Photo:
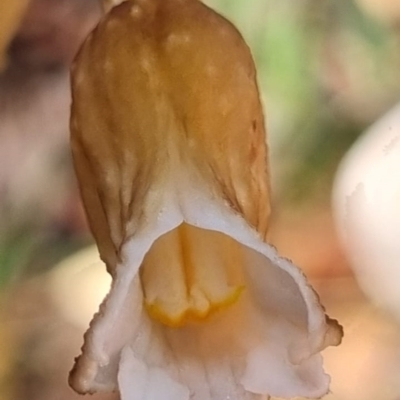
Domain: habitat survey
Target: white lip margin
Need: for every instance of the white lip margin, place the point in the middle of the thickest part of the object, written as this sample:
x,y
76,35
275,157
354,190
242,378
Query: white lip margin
x,y
203,210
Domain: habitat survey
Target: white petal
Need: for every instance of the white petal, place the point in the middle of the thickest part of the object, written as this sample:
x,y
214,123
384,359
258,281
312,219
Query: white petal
x,y
270,371
264,344
139,381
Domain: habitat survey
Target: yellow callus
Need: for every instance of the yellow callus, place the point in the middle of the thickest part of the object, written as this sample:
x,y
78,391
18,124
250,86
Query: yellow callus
x,y
189,274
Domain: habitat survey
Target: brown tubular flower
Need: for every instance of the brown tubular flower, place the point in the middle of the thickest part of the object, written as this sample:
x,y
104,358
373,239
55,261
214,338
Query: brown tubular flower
x,y
168,141
160,83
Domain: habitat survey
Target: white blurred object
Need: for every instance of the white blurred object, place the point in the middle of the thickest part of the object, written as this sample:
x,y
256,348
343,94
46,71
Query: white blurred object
x,y
78,285
366,202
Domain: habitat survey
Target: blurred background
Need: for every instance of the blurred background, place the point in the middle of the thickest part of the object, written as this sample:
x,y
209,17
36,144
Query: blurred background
x,y
328,70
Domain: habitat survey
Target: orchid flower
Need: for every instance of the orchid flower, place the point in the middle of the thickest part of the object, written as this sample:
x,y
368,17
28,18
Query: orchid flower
x,y
169,147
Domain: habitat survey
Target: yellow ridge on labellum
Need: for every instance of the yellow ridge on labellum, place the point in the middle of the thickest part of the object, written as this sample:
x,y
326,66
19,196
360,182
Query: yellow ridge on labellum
x,y
186,274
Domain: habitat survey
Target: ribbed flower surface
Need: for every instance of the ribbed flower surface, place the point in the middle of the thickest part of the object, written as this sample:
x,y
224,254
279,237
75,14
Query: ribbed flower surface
x,y
168,140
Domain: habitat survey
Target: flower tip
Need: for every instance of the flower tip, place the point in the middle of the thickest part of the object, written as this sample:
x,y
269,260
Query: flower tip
x,y
79,382
334,333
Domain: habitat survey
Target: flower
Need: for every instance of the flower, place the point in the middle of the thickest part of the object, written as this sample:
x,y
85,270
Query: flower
x,y
168,141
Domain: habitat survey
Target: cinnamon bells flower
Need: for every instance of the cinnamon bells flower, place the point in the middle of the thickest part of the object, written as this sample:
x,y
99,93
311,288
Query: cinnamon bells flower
x,y
169,148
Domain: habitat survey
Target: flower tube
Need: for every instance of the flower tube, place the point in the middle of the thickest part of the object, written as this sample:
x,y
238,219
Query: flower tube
x,y
168,141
